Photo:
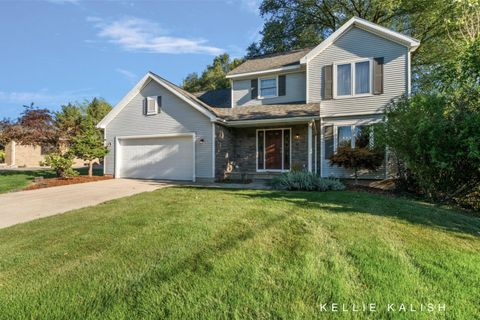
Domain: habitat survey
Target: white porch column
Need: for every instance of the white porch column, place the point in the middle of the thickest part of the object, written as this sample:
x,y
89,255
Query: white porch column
x,y
309,146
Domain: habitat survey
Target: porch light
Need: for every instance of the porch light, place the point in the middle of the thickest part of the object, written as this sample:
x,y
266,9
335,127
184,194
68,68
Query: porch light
x,y
201,141
297,136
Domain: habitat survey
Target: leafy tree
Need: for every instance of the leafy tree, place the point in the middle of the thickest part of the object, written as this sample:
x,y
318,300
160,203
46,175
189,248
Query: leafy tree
x,y
213,77
68,121
436,133
96,109
291,24
33,127
357,159
88,145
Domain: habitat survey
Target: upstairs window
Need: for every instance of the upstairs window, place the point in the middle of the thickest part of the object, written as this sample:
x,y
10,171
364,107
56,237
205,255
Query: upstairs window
x,y
268,87
353,78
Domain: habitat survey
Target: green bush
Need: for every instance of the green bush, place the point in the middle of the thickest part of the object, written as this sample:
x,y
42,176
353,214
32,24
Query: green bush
x,y
436,133
2,156
304,181
471,200
61,163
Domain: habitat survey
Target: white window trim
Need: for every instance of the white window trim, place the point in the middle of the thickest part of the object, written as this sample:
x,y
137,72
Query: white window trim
x,y
352,66
260,87
264,153
155,100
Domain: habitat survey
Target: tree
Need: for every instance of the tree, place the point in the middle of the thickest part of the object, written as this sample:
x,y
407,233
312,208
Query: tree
x,y
68,121
33,127
88,145
96,109
213,77
357,159
436,132
292,24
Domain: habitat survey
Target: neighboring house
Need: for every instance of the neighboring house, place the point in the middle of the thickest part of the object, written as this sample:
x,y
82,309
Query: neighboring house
x,y
284,111
25,156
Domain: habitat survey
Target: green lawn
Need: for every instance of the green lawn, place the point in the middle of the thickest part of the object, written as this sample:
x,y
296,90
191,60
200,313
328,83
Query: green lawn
x,y
188,253
17,180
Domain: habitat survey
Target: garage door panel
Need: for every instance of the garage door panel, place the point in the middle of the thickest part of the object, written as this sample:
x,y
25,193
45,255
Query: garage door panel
x,y
157,158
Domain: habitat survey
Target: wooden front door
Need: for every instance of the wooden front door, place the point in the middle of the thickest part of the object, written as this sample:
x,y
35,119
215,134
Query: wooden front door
x,y
273,150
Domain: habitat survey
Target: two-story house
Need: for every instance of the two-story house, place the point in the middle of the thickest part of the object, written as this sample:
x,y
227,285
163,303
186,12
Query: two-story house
x,y
284,111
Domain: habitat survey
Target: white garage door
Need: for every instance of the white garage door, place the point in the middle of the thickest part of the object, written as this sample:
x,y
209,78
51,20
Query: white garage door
x,y
156,158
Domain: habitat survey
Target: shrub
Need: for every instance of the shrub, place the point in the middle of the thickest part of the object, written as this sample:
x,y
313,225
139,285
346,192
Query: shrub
x,y
61,163
304,181
357,159
2,156
471,200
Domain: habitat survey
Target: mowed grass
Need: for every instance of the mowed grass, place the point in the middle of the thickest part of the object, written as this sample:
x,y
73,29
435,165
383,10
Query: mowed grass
x,y
191,253
17,180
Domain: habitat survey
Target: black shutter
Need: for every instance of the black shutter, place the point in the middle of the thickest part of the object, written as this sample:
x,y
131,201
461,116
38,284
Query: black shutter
x,y
378,75
144,106
254,90
282,85
328,82
328,138
159,104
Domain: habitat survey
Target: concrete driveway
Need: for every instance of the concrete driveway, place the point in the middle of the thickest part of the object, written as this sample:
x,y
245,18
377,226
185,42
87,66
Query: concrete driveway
x,y
22,206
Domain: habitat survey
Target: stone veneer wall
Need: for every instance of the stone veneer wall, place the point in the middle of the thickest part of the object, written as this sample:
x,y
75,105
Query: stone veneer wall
x,y
224,151
235,149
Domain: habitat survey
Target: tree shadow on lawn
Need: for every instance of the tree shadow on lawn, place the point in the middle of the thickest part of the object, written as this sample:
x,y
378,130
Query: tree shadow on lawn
x,y
345,202
199,261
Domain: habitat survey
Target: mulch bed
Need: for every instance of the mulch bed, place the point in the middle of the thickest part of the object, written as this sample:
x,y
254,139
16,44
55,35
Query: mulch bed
x,y
384,187
55,182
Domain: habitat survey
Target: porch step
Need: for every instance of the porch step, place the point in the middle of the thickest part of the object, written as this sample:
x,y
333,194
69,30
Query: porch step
x,y
255,176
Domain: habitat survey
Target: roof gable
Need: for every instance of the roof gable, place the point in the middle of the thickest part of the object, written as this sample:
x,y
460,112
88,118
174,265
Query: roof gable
x,y
386,33
179,92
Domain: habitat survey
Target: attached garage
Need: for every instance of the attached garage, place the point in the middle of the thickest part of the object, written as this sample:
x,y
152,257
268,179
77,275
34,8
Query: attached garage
x,y
168,156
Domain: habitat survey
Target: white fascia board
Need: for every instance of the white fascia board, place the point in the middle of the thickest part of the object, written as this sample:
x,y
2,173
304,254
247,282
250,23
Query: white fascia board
x,y
411,43
241,123
125,100
254,73
136,90
181,96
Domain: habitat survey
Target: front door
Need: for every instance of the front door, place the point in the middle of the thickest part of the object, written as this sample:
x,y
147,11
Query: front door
x,y
273,150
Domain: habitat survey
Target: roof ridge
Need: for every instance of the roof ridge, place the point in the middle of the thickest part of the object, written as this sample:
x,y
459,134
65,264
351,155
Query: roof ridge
x,y
274,54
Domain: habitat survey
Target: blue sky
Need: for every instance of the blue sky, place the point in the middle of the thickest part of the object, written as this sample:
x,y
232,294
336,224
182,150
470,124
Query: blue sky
x,y
56,51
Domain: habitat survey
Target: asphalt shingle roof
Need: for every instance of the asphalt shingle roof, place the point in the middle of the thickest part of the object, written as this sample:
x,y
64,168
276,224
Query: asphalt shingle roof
x,y
276,111
271,61
220,98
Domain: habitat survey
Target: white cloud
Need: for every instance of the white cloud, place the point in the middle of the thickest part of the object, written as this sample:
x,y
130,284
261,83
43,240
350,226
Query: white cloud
x,y
130,76
63,1
134,34
43,97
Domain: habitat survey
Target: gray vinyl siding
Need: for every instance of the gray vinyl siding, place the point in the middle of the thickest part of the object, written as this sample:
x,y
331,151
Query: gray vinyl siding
x,y
176,116
295,91
354,44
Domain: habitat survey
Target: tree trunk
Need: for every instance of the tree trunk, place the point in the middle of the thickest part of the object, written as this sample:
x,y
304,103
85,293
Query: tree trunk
x,y
356,177
90,168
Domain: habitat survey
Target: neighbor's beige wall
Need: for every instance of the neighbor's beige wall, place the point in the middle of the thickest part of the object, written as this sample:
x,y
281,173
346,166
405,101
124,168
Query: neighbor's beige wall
x,y
29,156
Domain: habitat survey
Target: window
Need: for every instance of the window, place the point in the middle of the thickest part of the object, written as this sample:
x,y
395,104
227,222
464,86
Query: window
x,y
151,105
344,80
353,78
268,87
363,136
362,77
344,136
354,136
